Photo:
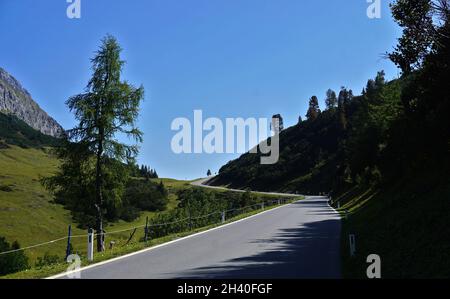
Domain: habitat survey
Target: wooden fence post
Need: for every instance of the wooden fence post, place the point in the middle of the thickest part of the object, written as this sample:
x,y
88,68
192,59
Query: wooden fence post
x,y
146,230
68,242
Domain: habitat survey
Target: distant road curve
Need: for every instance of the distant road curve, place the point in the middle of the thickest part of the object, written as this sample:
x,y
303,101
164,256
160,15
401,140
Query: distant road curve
x,y
201,183
298,240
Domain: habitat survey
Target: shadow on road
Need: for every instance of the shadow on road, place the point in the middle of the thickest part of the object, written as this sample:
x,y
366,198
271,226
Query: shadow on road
x,y
301,252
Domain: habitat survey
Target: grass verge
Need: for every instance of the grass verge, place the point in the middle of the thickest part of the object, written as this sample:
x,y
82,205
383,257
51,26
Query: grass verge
x,y
406,224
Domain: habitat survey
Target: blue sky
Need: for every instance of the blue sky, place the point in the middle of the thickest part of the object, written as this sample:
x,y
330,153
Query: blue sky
x,y
230,58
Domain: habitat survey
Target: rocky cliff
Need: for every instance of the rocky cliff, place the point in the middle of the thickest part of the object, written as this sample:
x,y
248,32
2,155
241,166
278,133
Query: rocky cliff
x,y
14,99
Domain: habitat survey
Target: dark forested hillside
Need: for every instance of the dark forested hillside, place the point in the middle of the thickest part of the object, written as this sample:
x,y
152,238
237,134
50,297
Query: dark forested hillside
x,y
330,150
392,130
14,131
307,161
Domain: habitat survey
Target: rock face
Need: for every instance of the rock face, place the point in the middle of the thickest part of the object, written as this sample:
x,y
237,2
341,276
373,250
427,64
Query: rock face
x,y
14,99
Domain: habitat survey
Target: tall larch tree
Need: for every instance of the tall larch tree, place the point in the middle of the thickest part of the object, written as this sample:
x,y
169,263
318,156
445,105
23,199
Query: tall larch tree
x,y
108,107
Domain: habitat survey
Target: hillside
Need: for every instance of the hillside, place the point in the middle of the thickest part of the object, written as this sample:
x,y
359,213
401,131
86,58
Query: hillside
x,y
307,161
27,212
16,100
14,131
406,224
313,153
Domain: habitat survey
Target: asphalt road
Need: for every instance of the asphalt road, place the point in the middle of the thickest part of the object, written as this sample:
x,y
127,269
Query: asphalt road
x,y
300,240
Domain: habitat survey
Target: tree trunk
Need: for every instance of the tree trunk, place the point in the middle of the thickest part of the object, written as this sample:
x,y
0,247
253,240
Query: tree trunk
x,y
99,195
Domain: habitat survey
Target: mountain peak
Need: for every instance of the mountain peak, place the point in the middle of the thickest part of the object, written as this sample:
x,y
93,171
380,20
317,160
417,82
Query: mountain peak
x,y
16,100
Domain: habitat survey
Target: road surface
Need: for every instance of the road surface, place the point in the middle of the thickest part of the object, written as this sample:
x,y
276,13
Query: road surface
x,y
300,240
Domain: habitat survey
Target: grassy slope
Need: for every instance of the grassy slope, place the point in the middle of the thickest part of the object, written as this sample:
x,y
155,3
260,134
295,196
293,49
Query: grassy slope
x,y
411,245
27,213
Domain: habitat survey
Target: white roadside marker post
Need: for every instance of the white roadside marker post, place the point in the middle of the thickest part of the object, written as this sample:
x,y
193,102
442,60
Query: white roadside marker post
x,y
90,249
352,240
223,217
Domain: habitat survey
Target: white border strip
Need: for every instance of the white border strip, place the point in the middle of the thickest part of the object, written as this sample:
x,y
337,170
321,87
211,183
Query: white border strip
x,y
165,244
334,210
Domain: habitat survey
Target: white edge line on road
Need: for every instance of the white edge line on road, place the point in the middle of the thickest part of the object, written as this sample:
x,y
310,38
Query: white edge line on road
x,y
334,210
165,244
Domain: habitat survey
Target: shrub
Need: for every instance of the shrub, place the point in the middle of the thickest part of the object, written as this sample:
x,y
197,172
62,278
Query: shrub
x,y
6,188
47,260
12,262
129,213
144,195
